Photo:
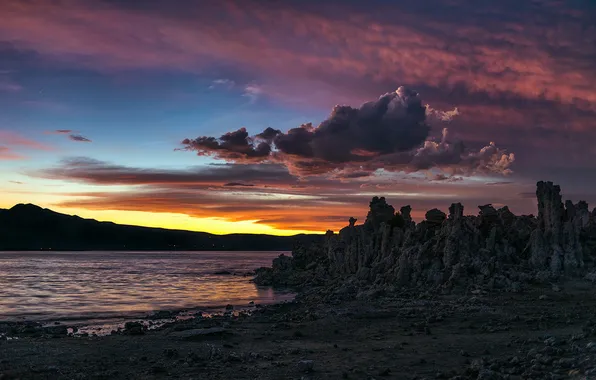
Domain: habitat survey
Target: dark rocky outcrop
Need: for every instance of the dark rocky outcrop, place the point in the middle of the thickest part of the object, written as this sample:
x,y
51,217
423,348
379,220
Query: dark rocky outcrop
x,y
495,249
307,266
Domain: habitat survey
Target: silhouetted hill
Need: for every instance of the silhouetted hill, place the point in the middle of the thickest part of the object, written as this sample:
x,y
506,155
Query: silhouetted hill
x,y
30,227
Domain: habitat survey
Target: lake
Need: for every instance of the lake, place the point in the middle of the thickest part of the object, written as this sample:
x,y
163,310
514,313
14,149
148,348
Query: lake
x,y
79,286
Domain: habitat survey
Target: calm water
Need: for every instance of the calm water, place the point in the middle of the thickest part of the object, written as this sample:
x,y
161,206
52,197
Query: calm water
x,y
53,286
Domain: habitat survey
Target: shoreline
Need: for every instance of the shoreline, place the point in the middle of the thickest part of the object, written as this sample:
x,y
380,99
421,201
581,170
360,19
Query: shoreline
x,y
102,324
540,333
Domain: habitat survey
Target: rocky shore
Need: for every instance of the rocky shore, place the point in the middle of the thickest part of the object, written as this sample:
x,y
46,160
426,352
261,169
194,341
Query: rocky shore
x,y
492,296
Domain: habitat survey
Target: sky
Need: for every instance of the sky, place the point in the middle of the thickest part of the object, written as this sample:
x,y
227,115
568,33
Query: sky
x,y
285,117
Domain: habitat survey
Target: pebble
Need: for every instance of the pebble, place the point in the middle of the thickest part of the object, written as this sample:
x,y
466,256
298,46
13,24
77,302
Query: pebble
x,y
306,365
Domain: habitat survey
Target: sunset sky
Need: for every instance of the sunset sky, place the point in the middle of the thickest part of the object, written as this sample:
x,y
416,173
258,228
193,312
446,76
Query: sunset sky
x,y
133,111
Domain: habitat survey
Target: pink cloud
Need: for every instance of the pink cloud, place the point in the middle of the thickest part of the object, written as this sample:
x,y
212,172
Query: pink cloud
x,y
9,155
503,55
14,139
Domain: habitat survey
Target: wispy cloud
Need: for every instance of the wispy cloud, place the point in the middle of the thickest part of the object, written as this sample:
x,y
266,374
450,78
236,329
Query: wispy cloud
x,y
11,138
253,91
78,138
7,154
225,83
265,193
9,86
72,135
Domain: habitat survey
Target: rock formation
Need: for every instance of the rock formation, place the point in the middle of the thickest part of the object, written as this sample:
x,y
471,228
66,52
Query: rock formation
x,y
495,249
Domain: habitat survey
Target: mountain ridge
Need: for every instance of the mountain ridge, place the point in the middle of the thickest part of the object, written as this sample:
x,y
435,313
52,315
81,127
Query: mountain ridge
x,y
28,227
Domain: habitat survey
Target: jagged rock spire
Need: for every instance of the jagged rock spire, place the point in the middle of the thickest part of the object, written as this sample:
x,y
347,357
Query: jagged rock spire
x,y
380,212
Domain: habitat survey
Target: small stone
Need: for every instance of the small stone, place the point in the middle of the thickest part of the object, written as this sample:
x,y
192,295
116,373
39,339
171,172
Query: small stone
x,y
543,297
134,328
556,288
487,374
550,341
306,365
170,353
157,369
385,372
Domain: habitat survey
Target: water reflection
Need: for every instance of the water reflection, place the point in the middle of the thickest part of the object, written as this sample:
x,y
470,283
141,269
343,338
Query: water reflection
x,y
72,285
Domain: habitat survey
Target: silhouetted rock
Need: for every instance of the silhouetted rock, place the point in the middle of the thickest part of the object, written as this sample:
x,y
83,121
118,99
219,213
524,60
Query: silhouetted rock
x,y
380,212
456,211
555,244
494,250
435,217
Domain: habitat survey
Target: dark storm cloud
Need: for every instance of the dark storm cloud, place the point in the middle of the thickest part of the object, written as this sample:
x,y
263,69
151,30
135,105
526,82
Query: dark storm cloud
x,y
389,133
393,123
268,134
232,146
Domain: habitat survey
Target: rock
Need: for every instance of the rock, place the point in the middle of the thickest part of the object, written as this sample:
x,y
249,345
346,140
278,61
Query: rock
x,y
56,331
456,211
556,241
435,217
496,250
487,374
134,328
170,353
543,297
163,314
306,366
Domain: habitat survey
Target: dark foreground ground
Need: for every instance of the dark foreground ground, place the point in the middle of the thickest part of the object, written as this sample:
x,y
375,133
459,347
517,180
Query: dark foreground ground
x,y
539,334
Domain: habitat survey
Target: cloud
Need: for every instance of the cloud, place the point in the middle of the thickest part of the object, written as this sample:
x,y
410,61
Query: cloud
x,y
453,157
225,83
389,133
265,193
253,92
78,138
232,146
9,86
90,171
234,184
71,135
14,139
495,61
8,155
492,48
441,115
